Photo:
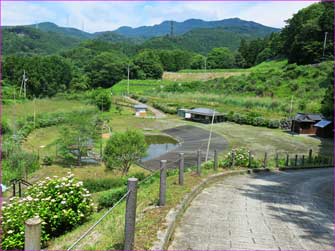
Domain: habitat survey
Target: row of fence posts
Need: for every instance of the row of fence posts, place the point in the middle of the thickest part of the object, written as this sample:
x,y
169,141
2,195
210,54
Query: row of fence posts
x,y
33,226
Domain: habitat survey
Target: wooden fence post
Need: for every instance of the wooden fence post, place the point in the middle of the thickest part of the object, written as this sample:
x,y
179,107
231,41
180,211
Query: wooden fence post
x,y
265,160
32,234
296,160
232,158
199,162
310,155
277,160
303,160
181,169
130,217
250,159
162,184
215,159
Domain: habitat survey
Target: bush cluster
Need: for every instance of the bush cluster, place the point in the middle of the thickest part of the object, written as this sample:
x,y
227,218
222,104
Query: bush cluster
x,y
241,158
251,119
61,203
110,197
165,108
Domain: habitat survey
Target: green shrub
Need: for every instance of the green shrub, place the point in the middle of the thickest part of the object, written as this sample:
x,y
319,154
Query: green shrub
x,y
61,203
274,124
110,197
47,160
97,185
208,165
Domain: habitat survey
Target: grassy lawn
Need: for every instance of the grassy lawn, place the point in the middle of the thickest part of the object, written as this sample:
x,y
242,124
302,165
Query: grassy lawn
x,y
27,108
261,139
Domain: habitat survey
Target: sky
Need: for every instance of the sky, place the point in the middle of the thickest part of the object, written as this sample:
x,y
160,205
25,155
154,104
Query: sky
x,y
103,16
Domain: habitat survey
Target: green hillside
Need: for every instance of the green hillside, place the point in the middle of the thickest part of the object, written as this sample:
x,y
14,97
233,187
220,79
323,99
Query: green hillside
x,y
28,40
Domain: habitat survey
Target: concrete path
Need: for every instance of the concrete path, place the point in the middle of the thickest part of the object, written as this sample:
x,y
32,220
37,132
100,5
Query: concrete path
x,y
290,210
192,138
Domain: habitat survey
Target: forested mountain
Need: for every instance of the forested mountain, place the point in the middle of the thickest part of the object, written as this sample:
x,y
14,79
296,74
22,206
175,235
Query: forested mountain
x,y
193,35
204,39
179,28
28,41
73,32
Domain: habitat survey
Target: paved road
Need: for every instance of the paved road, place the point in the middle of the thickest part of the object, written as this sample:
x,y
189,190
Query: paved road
x,y
290,210
192,138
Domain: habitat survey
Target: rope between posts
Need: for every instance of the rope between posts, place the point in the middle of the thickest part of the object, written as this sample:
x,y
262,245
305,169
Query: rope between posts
x,y
95,224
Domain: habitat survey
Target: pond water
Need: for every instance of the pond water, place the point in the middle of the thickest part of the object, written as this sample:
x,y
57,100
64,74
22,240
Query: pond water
x,y
159,145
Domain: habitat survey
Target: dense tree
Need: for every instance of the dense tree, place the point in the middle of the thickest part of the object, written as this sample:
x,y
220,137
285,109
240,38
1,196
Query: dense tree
x,y
106,69
46,75
197,61
175,60
148,65
220,58
304,34
327,104
124,149
103,101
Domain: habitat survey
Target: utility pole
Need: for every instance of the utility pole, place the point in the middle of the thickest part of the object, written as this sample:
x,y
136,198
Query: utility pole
x,y
34,111
210,136
128,70
23,87
324,46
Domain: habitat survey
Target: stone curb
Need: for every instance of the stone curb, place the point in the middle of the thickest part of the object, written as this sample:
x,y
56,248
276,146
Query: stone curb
x,y
176,213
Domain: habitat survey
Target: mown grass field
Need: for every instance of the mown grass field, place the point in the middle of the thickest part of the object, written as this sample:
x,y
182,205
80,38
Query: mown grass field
x,y
188,76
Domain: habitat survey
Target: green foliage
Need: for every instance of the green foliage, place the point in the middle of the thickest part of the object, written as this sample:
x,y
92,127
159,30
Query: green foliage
x,y
106,69
46,75
109,198
149,65
103,101
327,104
47,160
98,185
165,108
304,34
23,40
61,203
77,139
197,62
124,149
5,128
220,58
15,162
174,60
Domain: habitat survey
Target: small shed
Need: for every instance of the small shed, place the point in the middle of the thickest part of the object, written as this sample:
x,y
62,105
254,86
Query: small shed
x,y
204,115
324,129
304,123
141,110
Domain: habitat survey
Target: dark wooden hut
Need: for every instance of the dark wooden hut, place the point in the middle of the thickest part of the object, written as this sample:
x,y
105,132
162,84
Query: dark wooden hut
x,y
304,123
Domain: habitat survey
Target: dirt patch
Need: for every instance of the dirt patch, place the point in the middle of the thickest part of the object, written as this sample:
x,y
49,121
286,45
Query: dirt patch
x,y
178,76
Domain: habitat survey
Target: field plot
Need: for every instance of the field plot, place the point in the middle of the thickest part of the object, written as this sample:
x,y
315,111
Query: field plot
x,y
200,76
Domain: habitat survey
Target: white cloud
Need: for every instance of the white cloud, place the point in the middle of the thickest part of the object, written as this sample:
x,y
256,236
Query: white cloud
x,y
101,16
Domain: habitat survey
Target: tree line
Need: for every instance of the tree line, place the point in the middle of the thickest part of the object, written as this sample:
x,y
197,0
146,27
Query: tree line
x,y
98,63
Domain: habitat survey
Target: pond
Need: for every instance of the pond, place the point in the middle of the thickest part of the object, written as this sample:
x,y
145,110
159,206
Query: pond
x,y
159,145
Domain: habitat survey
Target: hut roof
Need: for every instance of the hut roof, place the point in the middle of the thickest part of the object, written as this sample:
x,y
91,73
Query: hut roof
x,y
302,117
204,111
323,123
140,106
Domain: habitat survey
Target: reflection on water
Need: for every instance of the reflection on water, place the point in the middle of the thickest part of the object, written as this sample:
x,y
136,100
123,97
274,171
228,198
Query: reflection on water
x,y
159,145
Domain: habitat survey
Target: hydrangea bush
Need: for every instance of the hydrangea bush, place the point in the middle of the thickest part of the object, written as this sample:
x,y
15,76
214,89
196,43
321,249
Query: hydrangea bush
x,y
61,203
241,158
